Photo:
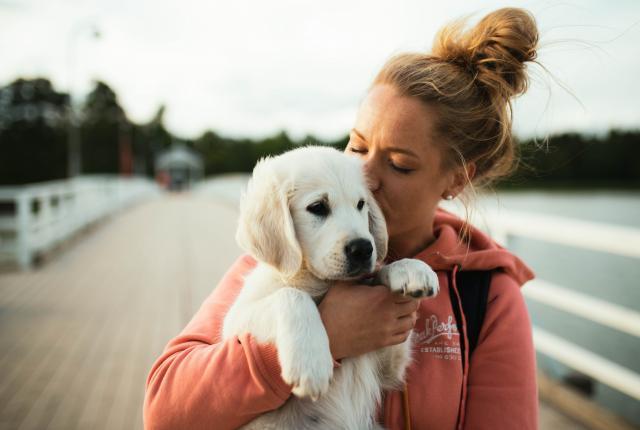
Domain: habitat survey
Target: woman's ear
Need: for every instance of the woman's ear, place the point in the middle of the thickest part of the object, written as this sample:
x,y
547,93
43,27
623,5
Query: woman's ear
x,y
265,228
377,228
461,177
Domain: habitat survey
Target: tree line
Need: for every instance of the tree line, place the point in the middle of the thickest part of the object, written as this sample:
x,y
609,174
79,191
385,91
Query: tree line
x,y
35,122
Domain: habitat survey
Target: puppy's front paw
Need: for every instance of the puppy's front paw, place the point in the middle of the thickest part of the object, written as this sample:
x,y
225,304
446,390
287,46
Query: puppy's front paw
x,y
308,373
309,379
314,384
410,277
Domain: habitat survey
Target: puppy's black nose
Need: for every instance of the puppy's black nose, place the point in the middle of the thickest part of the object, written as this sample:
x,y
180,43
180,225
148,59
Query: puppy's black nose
x,y
358,251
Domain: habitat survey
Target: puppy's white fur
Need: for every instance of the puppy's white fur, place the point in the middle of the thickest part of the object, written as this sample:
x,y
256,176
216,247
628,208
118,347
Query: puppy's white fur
x,y
299,255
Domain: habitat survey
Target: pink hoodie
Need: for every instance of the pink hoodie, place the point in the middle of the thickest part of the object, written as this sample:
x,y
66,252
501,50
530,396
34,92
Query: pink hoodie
x,y
201,382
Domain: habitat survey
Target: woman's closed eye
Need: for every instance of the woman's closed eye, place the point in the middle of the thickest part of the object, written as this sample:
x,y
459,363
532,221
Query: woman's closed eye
x,y
399,169
395,167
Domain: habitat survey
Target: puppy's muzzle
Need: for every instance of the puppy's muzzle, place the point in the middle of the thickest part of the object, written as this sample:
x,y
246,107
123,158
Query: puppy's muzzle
x,y
358,253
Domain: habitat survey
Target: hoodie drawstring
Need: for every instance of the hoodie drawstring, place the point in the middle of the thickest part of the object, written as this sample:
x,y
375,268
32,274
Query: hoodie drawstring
x,y
405,404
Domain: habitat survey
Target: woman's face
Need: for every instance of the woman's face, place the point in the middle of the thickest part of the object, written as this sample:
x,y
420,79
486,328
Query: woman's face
x,y
394,135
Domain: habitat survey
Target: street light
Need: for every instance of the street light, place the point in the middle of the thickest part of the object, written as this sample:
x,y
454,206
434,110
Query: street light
x,y
74,154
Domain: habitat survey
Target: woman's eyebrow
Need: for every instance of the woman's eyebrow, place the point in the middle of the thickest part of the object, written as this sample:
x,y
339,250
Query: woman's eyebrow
x,y
390,148
357,133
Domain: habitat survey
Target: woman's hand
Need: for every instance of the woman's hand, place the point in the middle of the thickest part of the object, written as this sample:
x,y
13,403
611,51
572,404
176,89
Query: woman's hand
x,y
359,318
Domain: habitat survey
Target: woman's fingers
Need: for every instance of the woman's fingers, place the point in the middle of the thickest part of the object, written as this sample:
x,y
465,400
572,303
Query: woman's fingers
x,y
399,298
404,324
360,318
404,309
399,338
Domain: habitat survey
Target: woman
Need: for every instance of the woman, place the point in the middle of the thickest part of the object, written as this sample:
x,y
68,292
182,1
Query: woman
x,y
430,127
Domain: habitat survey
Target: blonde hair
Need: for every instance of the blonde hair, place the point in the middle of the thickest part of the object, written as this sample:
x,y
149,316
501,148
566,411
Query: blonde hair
x,y
470,78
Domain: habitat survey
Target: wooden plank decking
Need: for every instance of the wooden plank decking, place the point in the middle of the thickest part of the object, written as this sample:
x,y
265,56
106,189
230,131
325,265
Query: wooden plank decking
x,y
80,334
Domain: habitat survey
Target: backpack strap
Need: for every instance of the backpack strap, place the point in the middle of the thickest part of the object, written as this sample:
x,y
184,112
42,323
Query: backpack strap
x,y
473,288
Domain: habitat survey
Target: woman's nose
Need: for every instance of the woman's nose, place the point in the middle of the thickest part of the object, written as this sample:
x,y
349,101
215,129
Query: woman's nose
x,y
373,179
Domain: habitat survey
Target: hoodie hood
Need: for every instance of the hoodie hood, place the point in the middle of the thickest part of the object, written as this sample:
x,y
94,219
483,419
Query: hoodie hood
x,y
481,253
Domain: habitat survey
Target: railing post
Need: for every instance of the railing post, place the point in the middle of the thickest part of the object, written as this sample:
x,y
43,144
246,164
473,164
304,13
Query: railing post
x,y
46,218
23,201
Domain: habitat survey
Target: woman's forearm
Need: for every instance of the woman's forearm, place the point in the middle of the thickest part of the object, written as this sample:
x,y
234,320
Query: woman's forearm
x,y
197,385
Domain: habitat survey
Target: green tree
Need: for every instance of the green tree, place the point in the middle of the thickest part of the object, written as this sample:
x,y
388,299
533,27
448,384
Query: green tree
x,y
103,123
33,132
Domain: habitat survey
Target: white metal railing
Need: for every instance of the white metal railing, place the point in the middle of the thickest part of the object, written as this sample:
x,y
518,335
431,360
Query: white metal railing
x,y
595,236
587,362
623,241
604,313
47,213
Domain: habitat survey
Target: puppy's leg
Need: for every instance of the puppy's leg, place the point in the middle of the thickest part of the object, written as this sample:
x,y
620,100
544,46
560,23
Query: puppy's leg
x,y
290,319
303,344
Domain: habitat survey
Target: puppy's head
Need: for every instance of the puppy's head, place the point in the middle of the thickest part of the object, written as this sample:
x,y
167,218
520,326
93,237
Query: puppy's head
x,y
310,209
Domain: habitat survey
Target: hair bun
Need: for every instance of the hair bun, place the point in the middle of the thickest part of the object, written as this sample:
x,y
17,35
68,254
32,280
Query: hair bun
x,y
495,49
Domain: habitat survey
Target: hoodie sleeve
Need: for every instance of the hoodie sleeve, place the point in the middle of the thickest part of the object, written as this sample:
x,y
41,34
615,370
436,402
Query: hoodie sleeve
x,y
502,391
201,381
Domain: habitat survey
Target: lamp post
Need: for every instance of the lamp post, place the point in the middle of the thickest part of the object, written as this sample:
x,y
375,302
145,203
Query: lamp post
x,y
74,149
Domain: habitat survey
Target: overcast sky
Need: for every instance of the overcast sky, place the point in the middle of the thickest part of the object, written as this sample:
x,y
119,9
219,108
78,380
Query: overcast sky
x,y
251,68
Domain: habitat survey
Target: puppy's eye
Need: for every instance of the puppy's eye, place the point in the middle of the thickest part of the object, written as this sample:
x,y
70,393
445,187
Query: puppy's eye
x,y
360,204
319,209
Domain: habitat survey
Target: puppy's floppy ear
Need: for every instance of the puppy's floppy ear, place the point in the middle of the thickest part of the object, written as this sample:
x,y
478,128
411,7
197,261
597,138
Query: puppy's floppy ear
x,y
377,228
265,227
